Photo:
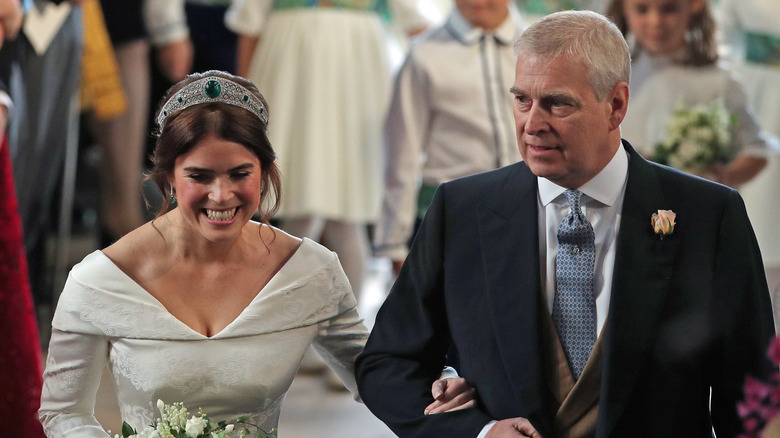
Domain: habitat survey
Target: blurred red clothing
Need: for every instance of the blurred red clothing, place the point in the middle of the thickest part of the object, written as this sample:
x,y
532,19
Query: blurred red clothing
x,y
20,349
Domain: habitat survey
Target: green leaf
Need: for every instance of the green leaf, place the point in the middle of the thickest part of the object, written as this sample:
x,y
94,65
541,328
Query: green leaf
x,y
242,419
127,430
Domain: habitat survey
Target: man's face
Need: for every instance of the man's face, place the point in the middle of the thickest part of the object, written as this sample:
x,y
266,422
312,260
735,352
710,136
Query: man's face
x,y
485,14
564,133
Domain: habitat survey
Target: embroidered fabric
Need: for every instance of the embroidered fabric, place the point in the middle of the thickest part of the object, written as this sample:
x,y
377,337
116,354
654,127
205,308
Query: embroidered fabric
x,y
105,318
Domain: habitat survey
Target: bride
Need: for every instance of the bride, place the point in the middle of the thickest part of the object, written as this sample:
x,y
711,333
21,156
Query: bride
x,y
203,305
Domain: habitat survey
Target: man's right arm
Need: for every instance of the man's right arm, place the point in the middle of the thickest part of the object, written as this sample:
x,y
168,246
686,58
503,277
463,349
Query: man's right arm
x,y
409,342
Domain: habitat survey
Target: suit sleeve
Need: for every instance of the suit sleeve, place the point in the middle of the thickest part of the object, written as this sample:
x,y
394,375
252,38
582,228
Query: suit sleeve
x,y
744,307
407,348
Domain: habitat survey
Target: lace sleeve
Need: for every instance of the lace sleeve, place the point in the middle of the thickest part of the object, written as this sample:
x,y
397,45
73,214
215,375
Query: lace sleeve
x,y
73,369
342,337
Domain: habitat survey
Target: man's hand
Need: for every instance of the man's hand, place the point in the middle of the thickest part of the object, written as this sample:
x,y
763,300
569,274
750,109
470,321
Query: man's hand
x,y
11,16
513,428
451,395
175,59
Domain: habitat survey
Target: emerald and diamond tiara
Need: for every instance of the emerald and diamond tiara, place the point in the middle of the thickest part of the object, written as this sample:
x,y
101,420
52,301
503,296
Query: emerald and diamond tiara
x,y
213,89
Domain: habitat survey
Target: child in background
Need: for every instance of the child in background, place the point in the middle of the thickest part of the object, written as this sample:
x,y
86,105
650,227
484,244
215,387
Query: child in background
x,y
674,62
450,115
751,42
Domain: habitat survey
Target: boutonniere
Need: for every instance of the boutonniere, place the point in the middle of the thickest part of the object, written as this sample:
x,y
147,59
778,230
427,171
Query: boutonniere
x,y
663,222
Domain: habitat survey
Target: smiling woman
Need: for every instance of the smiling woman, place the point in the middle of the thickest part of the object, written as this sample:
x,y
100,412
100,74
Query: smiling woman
x,y
217,186
202,305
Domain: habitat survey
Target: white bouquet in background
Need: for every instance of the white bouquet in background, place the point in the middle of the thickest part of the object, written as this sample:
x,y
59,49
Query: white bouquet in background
x,y
697,136
173,423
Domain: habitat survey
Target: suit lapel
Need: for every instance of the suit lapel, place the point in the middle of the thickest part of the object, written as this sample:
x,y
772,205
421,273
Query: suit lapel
x,y
510,255
640,284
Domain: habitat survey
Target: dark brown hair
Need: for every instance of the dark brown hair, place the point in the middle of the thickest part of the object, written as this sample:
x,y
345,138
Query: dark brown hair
x,y
184,129
700,47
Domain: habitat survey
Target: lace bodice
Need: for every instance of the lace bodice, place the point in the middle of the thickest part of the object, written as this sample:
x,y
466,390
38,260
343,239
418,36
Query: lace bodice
x,y
104,318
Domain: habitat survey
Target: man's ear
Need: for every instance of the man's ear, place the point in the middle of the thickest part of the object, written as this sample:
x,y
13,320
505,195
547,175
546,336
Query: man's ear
x,y
618,101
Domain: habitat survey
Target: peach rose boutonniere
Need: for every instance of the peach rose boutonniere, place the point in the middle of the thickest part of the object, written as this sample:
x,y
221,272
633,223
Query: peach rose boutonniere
x,y
663,222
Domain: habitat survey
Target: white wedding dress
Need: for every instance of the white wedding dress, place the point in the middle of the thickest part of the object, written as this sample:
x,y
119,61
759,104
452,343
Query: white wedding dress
x,y
105,318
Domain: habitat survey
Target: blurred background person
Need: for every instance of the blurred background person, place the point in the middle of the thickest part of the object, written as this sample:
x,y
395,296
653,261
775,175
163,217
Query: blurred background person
x,y
674,62
450,115
190,35
749,32
122,139
43,132
325,67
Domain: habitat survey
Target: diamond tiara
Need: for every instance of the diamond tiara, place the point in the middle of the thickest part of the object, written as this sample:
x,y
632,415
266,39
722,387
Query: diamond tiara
x,y
213,89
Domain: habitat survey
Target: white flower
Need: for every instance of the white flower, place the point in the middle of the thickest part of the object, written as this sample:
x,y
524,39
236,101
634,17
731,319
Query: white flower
x,y
195,426
696,136
229,428
148,433
688,150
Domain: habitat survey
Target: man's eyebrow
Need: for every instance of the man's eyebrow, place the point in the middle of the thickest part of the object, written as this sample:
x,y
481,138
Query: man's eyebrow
x,y
554,95
558,95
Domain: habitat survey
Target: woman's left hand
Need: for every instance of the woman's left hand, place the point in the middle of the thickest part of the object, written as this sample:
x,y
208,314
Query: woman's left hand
x,y
451,394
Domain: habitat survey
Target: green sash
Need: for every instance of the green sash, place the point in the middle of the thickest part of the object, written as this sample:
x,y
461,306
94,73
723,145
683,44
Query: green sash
x,y
762,48
360,5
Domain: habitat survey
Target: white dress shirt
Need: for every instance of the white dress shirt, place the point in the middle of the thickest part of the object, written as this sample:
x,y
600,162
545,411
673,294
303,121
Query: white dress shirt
x,y
602,202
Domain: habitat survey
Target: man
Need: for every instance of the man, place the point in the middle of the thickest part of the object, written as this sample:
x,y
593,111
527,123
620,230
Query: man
x,y
676,318
43,128
449,116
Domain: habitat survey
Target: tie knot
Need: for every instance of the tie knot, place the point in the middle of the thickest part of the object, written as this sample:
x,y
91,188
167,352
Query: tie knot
x,y
573,196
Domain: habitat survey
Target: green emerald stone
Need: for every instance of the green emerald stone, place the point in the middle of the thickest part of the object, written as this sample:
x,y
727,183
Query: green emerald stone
x,y
180,99
246,98
212,89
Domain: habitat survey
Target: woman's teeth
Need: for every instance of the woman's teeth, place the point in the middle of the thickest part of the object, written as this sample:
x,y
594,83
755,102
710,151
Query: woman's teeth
x,y
221,215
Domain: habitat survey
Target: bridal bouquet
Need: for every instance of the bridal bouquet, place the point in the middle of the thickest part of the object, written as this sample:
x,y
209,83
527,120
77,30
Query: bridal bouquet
x,y
760,412
697,136
174,423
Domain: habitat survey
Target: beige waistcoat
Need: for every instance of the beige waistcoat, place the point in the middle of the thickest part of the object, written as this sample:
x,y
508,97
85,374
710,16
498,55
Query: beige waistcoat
x,y
578,403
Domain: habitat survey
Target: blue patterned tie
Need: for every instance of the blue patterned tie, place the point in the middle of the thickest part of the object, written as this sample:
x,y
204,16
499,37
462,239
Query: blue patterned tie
x,y
574,305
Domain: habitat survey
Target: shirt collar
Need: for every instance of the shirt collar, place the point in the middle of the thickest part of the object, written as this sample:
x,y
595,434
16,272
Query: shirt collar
x,y
605,187
466,33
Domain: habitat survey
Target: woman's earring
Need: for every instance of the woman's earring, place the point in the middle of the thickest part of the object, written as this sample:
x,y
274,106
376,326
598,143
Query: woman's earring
x,y
172,198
